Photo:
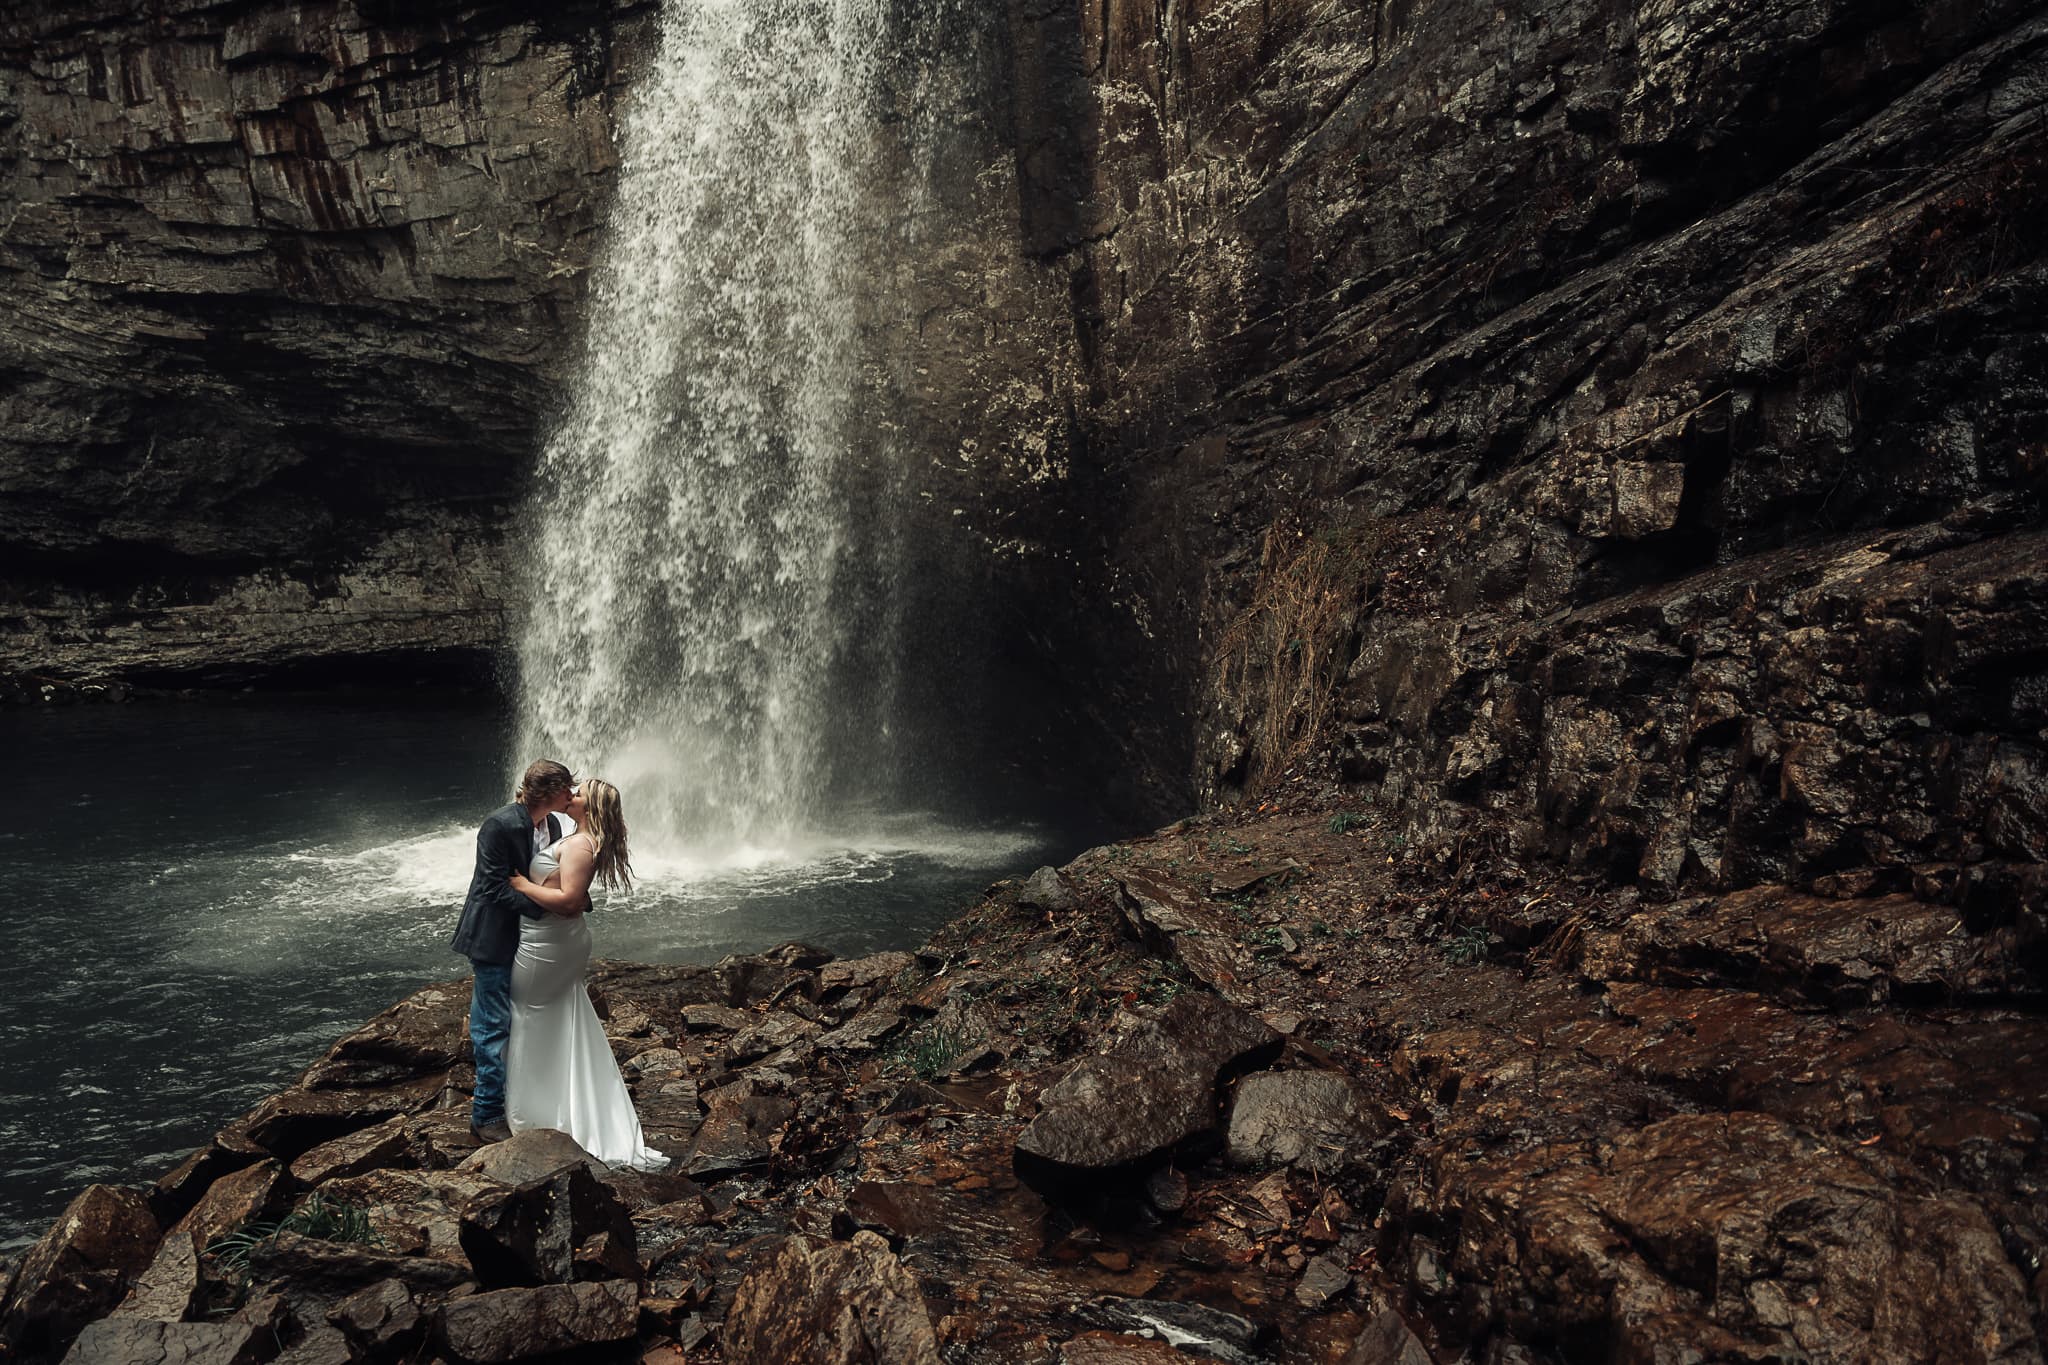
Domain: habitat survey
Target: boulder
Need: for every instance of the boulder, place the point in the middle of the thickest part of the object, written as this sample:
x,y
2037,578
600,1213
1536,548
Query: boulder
x,y
639,1190
654,1060
335,1270
1182,923
715,1019
170,1287
383,1319
186,1183
670,1110
757,979
739,1132
1311,1119
290,1124
1323,1279
1153,1090
771,1034
322,1344
865,1032
77,1271
533,1233
144,1341
861,973
1047,890
534,1154
388,1143
416,1213
815,1302
521,1324
231,1202
1166,1190
1386,1340
441,1137
422,1035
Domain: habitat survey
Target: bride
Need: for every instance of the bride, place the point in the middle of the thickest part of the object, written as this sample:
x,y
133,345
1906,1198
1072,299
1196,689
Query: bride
x,y
559,1069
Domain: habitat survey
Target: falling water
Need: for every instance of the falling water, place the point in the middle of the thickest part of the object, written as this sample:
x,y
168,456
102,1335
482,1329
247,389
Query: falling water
x,y
707,538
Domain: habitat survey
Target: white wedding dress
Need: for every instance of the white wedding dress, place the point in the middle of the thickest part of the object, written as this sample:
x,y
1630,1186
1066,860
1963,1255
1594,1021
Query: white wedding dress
x,y
559,1069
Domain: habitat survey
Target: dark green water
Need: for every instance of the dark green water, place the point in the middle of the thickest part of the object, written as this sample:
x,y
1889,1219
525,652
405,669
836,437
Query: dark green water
x,y
202,897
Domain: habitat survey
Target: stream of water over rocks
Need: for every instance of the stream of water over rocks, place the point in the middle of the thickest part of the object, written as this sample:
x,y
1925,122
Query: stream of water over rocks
x,y
204,896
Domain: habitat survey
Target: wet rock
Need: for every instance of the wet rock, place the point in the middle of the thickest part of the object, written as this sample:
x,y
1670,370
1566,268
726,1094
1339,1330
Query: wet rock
x,y
79,1270
184,1184
715,1019
654,1061
1323,1279
797,956
383,1320
671,1108
1166,1190
290,1124
1386,1340
169,1288
386,1144
1191,1327
534,1233
761,979
1151,1091
424,1034
1237,883
771,1034
415,1213
1186,925
521,1324
322,1344
534,1154
1687,1225
1118,1348
233,1201
441,1137
639,1190
630,1021
861,973
865,1032
335,1270
740,1132
1839,952
1316,1120
1046,890
141,1341
830,1303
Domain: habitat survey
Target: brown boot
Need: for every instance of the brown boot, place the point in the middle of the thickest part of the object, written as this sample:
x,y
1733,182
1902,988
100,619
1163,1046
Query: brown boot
x,y
494,1131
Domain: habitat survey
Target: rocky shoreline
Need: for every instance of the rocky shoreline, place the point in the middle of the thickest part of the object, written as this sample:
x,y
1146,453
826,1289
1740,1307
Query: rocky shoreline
x,y
1266,1086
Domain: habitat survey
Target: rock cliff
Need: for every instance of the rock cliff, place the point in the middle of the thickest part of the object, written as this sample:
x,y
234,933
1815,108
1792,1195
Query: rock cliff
x,y
1611,430
286,290
1614,429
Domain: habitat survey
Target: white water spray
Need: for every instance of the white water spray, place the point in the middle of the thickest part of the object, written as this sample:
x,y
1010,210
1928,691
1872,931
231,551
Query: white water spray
x,y
700,580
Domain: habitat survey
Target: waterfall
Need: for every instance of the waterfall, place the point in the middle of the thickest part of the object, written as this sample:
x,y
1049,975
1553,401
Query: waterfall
x,y
708,546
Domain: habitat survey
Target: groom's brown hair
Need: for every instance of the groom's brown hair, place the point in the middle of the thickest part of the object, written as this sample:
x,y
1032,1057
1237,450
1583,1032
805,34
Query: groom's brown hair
x,y
544,778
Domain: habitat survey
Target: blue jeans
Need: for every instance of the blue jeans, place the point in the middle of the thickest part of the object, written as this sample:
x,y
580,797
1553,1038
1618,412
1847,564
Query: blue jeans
x,y
490,1027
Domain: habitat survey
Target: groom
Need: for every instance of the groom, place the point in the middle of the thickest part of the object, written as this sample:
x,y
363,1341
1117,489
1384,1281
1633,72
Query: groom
x,y
488,934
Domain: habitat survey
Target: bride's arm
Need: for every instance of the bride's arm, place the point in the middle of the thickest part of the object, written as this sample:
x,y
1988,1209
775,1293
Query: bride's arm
x,y
572,897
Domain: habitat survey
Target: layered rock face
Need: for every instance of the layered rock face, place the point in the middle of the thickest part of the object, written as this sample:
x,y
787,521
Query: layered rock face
x,y
1615,429
286,288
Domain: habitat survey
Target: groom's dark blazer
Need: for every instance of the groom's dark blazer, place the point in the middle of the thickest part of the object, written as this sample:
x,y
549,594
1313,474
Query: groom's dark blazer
x,y
489,929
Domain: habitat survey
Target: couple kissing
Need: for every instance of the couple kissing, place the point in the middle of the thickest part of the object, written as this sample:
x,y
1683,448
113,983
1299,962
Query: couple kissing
x,y
542,1059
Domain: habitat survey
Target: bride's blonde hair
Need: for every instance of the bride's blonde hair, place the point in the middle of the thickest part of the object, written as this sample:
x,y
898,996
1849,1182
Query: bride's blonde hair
x,y
604,820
